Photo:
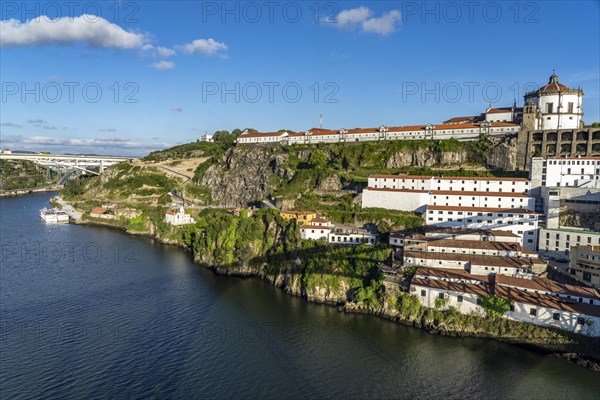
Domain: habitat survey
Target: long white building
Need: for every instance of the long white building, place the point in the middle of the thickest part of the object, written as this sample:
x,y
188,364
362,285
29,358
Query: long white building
x,y
463,131
522,222
450,183
536,301
415,193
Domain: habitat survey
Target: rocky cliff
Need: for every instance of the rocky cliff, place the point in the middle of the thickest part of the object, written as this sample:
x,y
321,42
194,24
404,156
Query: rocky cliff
x,y
244,175
249,173
503,154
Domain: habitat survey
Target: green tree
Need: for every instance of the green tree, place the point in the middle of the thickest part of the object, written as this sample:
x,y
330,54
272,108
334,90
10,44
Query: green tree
x,y
318,160
495,306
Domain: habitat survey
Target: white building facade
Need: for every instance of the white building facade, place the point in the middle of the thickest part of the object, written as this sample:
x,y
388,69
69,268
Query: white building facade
x,y
521,222
178,217
536,301
585,264
557,243
556,105
318,228
464,131
576,172
352,236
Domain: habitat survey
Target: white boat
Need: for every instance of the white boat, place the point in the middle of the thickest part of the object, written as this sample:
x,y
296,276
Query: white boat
x,y
54,216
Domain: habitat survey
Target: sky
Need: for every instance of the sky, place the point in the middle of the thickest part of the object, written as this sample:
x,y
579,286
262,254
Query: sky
x,y
130,77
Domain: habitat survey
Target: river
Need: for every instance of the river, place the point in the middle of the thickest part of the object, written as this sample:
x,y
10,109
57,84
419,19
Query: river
x,y
90,312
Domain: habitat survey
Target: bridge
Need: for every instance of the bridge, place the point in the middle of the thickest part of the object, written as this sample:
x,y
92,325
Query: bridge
x,y
66,165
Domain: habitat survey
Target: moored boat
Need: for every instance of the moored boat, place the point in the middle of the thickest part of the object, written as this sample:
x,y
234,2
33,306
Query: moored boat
x,y
54,216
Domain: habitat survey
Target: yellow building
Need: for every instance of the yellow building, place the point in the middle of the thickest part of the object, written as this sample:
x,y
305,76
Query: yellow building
x,y
302,217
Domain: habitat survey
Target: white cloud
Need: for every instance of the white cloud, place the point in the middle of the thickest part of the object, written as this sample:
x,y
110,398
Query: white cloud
x,y
36,121
157,52
362,18
89,29
163,65
113,145
384,25
206,47
176,109
351,17
165,52
107,130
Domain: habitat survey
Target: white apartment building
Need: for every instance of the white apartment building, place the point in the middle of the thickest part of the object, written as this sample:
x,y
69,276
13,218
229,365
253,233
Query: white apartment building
x,y
350,235
519,221
585,264
458,289
178,217
577,172
318,228
418,200
261,137
414,193
537,301
557,243
476,264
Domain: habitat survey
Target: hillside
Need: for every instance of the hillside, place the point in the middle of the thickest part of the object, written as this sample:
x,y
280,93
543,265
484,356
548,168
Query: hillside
x,y
20,174
324,178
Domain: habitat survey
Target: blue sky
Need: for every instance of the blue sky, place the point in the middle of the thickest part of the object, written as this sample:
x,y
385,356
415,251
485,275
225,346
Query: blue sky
x,y
170,71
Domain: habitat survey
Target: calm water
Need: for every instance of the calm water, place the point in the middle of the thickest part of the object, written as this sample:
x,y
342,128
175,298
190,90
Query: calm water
x,y
93,313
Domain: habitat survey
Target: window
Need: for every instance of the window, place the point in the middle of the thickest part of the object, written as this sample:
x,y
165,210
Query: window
x,y
512,307
441,295
556,316
533,312
459,298
580,321
479,301
423,293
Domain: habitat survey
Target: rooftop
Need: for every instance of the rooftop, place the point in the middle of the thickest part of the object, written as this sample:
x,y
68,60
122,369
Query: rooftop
x,y
476,259
542,300
476,244
448,273
430,229
472,288
548,285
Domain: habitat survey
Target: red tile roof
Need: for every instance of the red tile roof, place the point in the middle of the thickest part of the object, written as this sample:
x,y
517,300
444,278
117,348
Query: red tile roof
x,y
476,244
450,274
548,285
477,289
541,300
491,261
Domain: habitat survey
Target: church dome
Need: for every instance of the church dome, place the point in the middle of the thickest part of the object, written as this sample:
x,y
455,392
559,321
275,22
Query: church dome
x,y
553,85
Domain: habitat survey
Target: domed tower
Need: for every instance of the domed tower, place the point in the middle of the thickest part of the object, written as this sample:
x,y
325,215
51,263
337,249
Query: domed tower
x,y
558,106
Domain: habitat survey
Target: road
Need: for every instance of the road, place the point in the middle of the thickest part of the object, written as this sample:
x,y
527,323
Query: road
x,y
76,215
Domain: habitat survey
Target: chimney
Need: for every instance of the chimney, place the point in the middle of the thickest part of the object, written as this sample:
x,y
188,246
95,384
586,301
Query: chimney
x,y
321,121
